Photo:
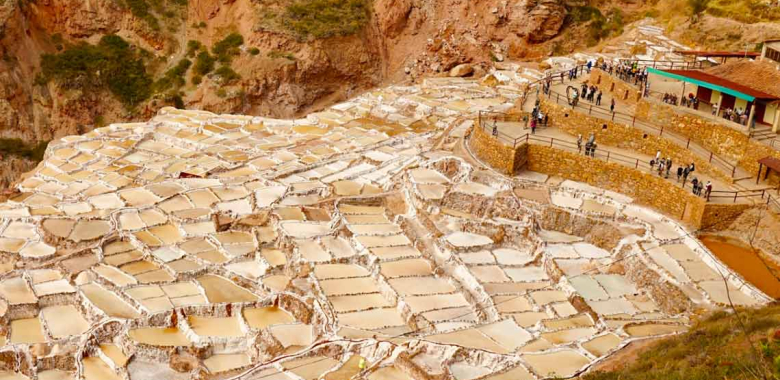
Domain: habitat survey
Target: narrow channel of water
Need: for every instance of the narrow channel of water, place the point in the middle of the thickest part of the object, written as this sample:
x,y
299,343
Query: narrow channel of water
x,y
746,261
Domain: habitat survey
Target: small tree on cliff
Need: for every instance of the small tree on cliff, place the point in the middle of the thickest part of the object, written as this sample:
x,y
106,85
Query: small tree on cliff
x,y
697,7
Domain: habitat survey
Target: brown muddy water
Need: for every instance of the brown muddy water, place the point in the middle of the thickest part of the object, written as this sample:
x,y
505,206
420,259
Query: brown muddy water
x,y
746,261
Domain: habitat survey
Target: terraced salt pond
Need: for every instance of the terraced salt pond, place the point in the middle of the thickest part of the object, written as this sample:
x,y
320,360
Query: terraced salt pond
x,y
247,247
758,271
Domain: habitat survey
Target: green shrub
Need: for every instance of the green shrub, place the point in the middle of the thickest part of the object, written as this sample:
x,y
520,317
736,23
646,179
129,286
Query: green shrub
x,y
600,26
178,102
227,74
197,79
174,77
193,47
276,54
583,13
254,51
109,64
228,47
204,63
140,9
325,18
698,6
19,148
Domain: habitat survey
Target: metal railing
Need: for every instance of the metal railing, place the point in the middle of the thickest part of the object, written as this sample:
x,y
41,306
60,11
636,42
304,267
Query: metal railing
x,y
489,122
658,96
665,64
773,203
628,119
639,164
738,194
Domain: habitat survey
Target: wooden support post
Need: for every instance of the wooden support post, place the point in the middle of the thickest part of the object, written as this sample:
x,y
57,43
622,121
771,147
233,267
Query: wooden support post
x,y
758,177
752,115
776,121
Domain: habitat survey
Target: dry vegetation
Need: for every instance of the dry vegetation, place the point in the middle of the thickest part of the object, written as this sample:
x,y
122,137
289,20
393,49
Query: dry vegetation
x,y
316,18
715,348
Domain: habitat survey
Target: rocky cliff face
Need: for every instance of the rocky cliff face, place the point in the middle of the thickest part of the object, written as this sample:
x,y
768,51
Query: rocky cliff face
x,y
404,39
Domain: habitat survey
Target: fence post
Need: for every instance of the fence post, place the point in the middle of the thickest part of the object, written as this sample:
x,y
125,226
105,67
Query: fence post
x,y
710,157
613,115
607,156
735,196
637,164
734,174
633,121
551,142
688,144
590,109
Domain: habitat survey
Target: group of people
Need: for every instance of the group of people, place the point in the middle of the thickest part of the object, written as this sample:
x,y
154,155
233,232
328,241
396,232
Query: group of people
x,y
697,187
630,72
736,115
591,93
691,101
538,118
590,145
670,99
664,166
571,74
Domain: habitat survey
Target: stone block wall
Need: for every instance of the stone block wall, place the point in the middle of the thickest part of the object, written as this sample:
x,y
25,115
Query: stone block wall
x,y
645,188
725,141
611,85
504,158
626,137
721,139
717,217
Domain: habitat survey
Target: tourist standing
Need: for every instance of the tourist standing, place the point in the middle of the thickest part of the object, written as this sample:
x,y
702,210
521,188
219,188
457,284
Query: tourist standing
x,y
708,190
668,166
579,143
612,106
533,126
686,171
598,98
695,184
679,173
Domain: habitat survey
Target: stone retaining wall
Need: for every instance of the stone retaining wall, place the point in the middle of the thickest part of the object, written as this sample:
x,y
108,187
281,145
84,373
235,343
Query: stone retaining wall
x,y
645,188
721,139
626,137
504,158
618,88
717,217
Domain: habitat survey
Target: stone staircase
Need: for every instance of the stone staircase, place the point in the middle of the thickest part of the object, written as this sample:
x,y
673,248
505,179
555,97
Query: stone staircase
x,y
763,132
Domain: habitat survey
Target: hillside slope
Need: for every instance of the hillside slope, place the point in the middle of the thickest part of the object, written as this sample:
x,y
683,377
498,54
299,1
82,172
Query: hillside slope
x,y
715,348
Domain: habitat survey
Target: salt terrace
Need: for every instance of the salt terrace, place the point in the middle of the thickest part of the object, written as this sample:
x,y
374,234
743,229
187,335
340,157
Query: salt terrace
x,y
213,246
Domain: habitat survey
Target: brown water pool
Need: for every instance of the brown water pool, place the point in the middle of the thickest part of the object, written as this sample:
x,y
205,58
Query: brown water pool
x,y
746,261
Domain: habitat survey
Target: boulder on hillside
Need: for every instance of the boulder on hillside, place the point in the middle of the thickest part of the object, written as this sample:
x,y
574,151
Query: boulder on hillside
x,y
462,70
